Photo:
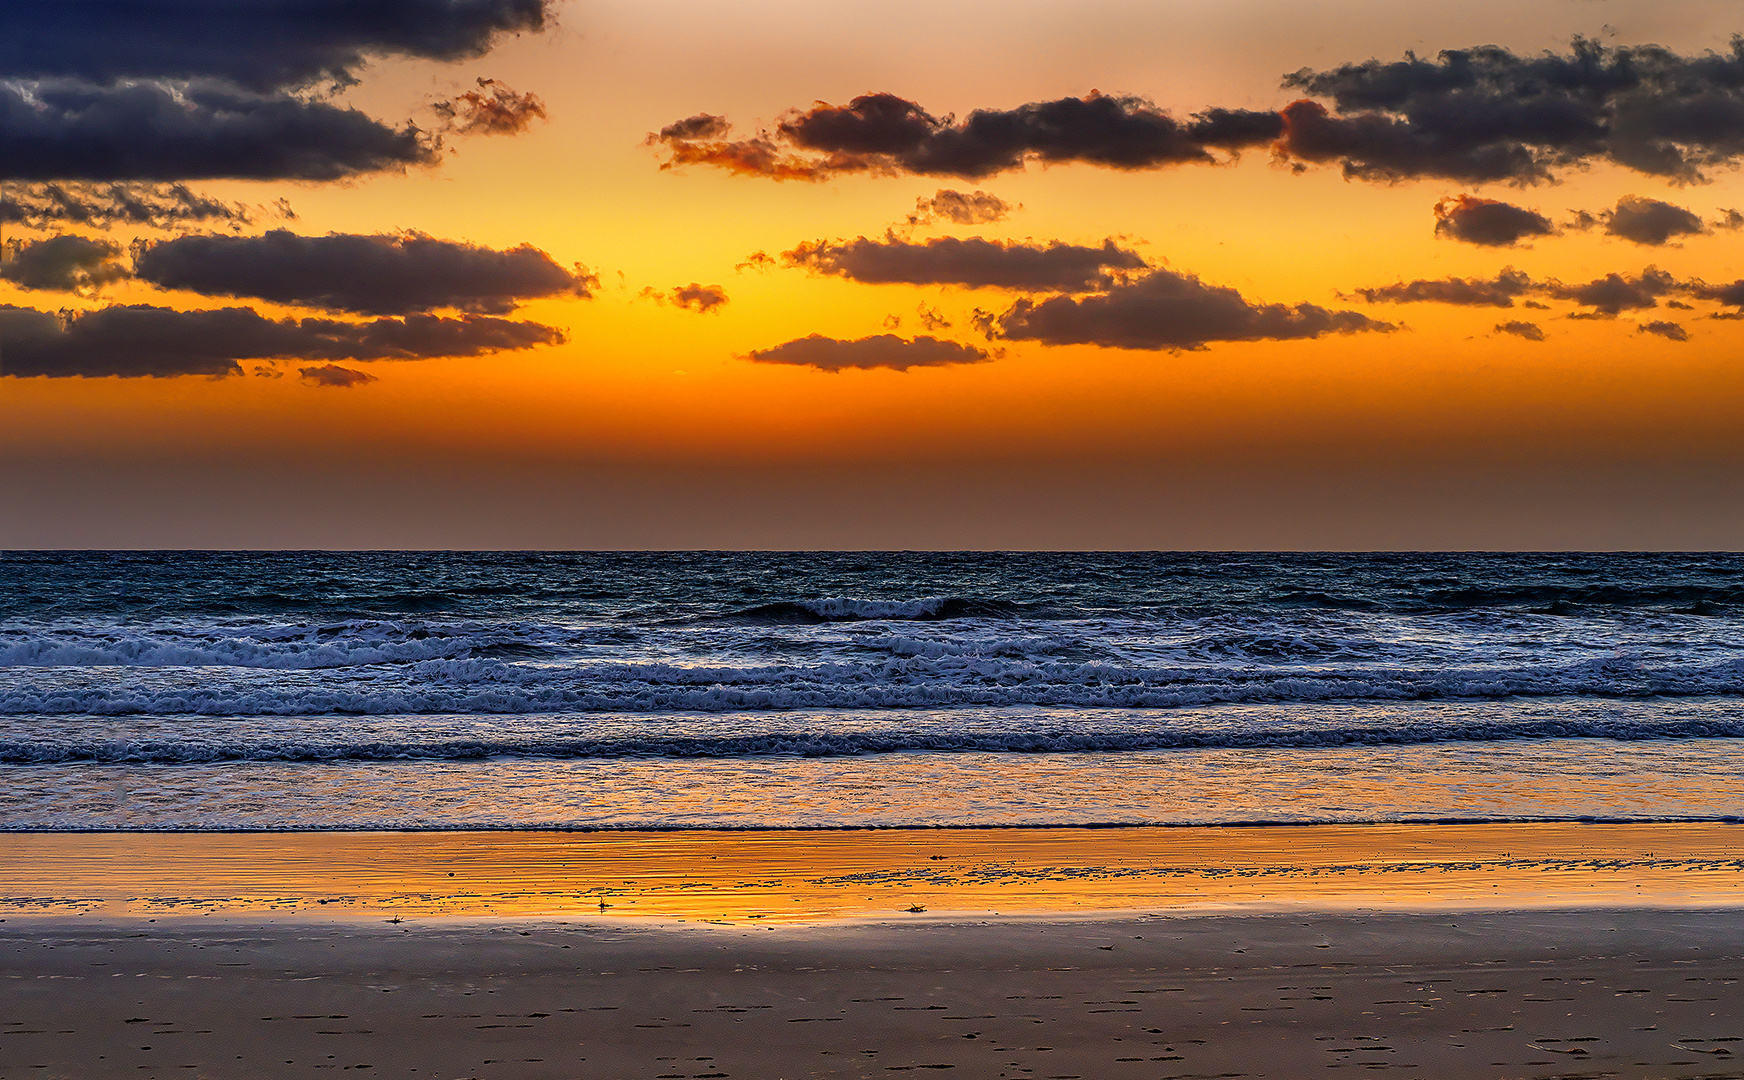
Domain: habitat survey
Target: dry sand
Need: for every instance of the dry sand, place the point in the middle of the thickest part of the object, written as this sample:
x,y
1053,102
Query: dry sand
x,y
1543,994
753,956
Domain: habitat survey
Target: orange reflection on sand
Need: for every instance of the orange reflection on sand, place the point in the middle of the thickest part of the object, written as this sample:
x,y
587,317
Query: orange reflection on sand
x,y
788,876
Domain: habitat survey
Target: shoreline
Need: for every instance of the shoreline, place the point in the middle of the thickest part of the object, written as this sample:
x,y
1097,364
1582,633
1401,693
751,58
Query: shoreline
x,y
810,876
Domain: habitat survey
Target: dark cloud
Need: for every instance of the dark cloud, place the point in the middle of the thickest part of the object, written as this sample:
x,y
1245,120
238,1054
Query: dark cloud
x,y
932,318
960,208
1607,296
156,206
261,44
970,263
1732,295
1500,291
884,133
139,340
1487,114
492,109
1528,330
368,274
698,297
879,351
70,130
1616,293
1488,222
1668,330
1649,221
63,263
1168,310
336,376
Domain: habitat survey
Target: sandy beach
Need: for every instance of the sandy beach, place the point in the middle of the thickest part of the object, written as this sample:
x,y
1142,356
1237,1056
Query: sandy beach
x,y
1499,951
1545,994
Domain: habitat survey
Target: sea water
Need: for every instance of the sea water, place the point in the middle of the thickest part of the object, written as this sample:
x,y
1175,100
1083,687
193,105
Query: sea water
x,y
223,690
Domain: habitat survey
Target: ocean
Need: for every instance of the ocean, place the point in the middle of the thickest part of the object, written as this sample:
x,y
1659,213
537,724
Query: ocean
x,y
554,690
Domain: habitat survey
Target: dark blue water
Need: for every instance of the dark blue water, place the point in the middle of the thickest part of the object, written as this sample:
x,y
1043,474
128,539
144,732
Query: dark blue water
x,y
182,690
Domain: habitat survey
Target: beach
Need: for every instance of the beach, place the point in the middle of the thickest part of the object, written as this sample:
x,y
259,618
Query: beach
x,y
1506,951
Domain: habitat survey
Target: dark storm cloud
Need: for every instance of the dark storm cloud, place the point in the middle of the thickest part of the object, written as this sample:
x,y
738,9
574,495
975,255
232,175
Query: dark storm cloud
x,y
63,263
368,274
960,208
1649,221
262,44
140,340
1167,310
157,206
69,130
1487,114
1669,330
492,109
971,263
884,133
1500,291
335,376
1528,330
698,297
879,351
1488,222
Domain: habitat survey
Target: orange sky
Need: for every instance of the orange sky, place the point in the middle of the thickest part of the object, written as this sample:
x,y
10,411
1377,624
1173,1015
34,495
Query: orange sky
x,y
649,427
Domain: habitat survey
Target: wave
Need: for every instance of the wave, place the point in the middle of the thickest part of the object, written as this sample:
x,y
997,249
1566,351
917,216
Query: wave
x,y
850,609
198,751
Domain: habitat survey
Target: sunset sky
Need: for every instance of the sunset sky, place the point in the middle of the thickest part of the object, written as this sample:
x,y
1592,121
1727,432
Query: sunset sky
x,y
1107,274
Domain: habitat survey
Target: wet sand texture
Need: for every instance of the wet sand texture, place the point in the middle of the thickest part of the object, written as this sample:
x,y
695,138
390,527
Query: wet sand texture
x,y
1630,993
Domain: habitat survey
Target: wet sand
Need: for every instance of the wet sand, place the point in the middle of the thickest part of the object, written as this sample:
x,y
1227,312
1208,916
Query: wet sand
x,y
1511,952
788,876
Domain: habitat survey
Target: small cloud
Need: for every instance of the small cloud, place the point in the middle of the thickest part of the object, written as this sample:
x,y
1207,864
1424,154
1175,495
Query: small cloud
x,y
1500,291
970,263
1669,330
1488,222
1528,330
336,376
960,208
698,297
933,318
892,322
757,260
493,109
67,263
879,351
1730,220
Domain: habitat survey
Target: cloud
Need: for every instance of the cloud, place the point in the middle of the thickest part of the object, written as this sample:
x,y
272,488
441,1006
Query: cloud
x,y
1649,221
156,206
879,351
1528,330
1487,114
336,376
932,318
1488,222
1169,310
260,44
698,297
884,133
1500,291
970,263
140,340
1608,296
1668,330
492,109
369,274
1616,293
64,263
63,129
960,208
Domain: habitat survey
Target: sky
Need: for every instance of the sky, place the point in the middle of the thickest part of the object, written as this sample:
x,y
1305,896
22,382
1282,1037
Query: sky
x,y
1203,274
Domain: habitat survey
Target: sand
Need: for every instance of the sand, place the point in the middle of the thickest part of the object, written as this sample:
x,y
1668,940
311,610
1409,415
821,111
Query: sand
x,y
1495,951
